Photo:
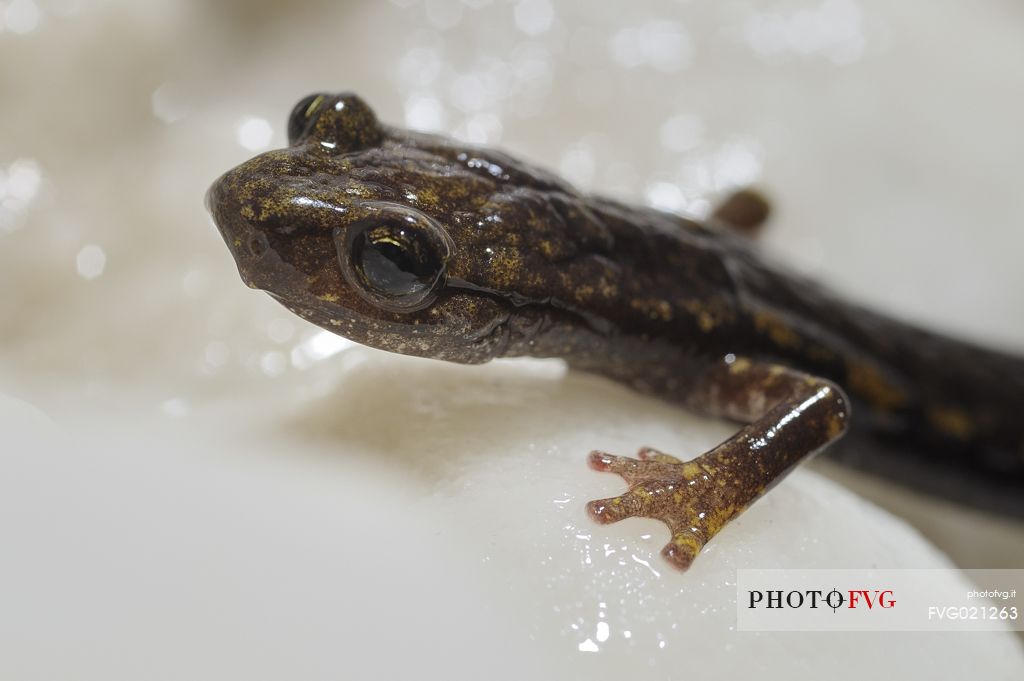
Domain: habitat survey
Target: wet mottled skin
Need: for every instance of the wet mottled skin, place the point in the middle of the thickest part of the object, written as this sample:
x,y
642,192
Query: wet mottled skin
x,y
423,246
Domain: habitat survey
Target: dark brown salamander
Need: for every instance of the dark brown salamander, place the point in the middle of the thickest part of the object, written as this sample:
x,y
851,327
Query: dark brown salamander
x,y
423,246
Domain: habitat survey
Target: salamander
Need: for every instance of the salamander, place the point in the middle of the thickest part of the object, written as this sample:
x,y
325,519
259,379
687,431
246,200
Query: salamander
x,y
422,245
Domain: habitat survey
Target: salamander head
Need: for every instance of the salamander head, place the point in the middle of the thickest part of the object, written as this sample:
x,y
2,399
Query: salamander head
x,y
397,240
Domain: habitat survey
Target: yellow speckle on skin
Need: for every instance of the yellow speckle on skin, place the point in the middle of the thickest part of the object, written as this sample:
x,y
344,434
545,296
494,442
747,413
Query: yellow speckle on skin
x,y
835,426
777,330
707,316
653,308
457,191
716,519
739,366
691,470
335,322
328,297
866,380
952,421
584,292
428,196
360,190
505,267
608,290
686,540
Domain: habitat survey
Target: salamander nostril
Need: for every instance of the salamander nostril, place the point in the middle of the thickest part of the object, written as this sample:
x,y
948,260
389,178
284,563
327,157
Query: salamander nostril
x,y
258,245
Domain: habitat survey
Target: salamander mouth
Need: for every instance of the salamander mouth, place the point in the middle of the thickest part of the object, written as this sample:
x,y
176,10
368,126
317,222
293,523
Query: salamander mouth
x,y
495,338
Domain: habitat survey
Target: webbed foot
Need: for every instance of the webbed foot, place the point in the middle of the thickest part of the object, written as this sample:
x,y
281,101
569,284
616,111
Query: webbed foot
x,y
791,416
690,497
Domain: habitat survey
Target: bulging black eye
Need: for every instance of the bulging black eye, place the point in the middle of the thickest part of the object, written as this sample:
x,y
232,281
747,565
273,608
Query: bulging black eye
x,y
397,261
302,115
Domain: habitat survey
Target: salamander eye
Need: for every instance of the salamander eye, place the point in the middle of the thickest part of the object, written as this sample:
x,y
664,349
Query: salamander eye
x,y
397,260
302,115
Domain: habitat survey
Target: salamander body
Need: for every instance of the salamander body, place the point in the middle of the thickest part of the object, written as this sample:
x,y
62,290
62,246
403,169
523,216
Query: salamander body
x,y
420,245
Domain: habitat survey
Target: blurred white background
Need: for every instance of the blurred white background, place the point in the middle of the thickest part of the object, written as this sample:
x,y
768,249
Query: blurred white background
x,y
206,481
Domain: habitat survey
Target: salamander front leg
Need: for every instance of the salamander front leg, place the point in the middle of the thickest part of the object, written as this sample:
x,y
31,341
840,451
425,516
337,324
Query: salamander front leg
x,y
791,416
